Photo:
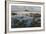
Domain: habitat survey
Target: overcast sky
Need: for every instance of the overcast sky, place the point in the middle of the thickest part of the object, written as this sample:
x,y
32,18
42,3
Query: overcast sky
x,y
22,8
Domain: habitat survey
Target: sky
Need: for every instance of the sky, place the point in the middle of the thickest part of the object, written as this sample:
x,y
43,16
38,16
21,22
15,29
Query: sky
x,y
15,8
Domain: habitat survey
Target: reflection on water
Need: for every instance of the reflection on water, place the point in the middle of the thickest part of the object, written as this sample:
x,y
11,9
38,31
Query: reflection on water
x,y
21,21
18,21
